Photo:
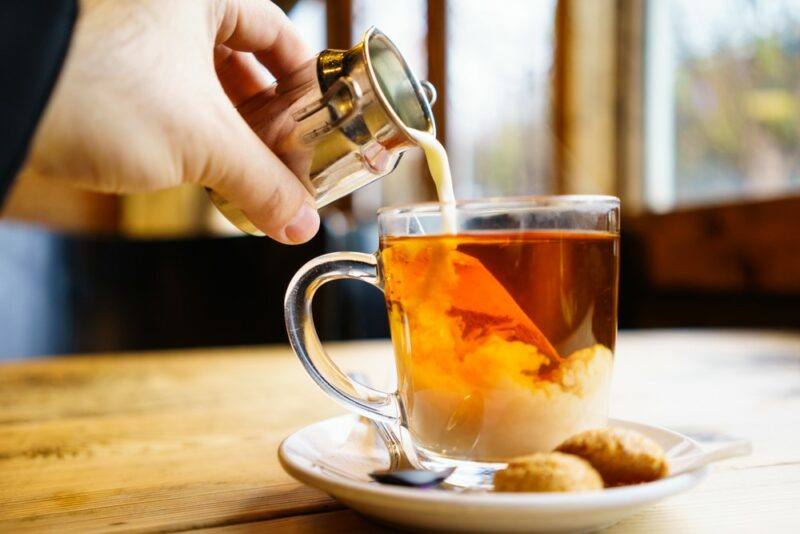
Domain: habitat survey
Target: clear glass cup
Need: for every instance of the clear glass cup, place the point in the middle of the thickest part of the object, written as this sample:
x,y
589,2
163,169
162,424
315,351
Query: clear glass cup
x,y
503,331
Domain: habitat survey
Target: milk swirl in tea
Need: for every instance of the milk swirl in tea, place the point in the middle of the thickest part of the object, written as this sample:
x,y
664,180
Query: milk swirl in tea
x,y
504,339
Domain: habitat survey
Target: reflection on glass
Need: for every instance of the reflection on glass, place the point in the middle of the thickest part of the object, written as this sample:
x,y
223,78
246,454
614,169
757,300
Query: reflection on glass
x,y
499,134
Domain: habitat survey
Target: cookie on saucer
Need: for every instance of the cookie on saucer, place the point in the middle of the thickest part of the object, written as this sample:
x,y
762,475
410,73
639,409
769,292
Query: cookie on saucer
x,y
621,457
547,472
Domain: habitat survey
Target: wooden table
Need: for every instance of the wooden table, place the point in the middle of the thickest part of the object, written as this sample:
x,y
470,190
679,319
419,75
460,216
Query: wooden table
x,y
184,440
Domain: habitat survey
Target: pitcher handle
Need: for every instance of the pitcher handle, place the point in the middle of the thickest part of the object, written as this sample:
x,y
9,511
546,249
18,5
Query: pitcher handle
x,y
356,397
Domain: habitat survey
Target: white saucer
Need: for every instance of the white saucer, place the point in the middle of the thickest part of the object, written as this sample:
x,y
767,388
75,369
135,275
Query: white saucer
x,y
337,454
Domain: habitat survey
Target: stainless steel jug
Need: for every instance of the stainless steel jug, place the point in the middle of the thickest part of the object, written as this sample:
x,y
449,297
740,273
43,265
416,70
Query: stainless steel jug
x,y
341,120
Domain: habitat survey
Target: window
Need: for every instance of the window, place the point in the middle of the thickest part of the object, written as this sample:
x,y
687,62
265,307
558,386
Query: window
x,y
404,22
499,133
309,17
722,100
498,90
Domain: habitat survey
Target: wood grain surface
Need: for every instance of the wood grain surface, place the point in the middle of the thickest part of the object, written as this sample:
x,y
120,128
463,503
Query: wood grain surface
x,y
175,441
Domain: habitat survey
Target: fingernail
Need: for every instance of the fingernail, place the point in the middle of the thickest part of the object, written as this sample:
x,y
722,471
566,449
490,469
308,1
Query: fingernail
x,y
303,226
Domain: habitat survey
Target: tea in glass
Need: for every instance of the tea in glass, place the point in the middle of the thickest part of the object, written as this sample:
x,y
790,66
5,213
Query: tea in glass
x,y
503,340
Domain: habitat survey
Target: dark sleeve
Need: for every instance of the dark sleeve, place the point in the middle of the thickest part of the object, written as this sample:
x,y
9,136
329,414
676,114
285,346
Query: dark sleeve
x,y
34,37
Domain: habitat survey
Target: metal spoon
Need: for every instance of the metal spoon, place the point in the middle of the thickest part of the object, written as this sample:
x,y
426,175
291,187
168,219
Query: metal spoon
x,y
405,469
415,478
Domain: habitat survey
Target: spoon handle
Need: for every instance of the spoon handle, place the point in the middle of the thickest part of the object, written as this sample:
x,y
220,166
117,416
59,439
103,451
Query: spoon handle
x,y
392,444
695,461
401,454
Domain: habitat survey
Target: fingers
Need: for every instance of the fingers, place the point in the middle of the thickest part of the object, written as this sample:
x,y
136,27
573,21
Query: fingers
x,y
240,74
261,27
251,35
255,180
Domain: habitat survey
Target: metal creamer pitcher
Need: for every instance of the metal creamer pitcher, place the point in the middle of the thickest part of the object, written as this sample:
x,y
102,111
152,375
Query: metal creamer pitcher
x,y
341,120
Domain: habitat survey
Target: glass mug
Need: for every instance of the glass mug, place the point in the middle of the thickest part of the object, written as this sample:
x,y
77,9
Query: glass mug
x,y
503,332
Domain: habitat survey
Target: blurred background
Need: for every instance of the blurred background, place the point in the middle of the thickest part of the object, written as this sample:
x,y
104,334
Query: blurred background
x,y
688,111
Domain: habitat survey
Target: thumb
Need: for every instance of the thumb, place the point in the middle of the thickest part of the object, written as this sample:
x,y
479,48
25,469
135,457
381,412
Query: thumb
x,y
247,174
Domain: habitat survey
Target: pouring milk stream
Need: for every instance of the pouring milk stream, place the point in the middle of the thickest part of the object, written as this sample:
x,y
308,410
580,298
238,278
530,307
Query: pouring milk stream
x,y
439,167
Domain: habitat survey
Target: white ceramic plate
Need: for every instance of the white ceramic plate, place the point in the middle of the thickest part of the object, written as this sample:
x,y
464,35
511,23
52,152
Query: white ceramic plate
x,y
337,454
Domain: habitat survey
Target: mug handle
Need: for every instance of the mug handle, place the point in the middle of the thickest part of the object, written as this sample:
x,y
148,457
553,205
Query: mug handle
x,y
363,400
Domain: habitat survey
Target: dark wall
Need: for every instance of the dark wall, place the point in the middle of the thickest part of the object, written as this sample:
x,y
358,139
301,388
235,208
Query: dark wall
x,y
66,294
179,293
645,304
734,265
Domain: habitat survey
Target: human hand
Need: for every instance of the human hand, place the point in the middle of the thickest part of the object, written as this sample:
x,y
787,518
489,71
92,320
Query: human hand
x,y
147,100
